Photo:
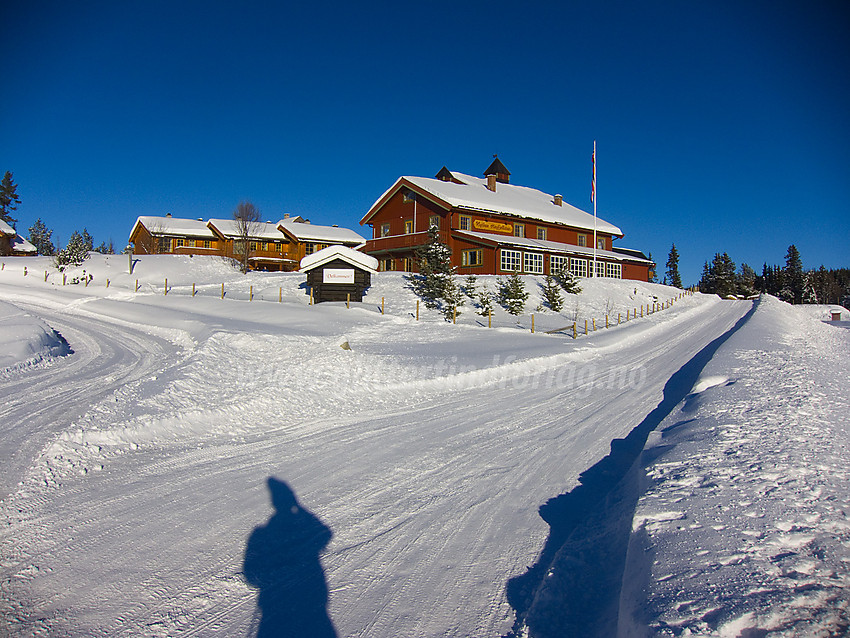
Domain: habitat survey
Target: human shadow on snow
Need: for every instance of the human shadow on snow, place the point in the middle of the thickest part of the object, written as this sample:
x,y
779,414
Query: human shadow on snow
x,y
282,562
589,529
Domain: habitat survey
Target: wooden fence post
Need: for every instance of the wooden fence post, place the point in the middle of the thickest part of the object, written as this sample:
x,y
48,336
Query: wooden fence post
x,y
25,271
280,294
193,289
251,294
222,291
45,276
454,314
165,290
489,317
585,326
532,323
135,290
382,305
107,283
594,324
606,321
417,310
311,295
575,332
87,280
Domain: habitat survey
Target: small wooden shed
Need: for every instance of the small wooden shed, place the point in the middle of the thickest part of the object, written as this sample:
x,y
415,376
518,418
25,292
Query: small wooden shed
x,y
336,272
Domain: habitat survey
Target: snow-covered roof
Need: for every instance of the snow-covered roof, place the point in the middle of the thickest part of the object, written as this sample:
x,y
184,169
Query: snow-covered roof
x,y
354,257
5,229
303,231
22,246
508,199
545,245
174,226
259,230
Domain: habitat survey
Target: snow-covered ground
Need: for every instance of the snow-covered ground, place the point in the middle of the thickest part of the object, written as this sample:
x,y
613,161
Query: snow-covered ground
x,y
407,473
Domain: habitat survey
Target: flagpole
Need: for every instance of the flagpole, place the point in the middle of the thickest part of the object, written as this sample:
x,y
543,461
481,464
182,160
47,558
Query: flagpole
x,y
593,196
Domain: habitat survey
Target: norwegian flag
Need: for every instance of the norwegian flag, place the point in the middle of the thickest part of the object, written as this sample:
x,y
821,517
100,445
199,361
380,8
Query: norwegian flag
x,y
593,182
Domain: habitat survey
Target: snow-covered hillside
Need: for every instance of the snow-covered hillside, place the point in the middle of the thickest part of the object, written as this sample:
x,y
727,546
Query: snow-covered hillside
x,y
196,462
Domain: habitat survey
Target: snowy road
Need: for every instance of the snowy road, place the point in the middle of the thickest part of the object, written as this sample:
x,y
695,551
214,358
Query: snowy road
x,y
47,399
429,482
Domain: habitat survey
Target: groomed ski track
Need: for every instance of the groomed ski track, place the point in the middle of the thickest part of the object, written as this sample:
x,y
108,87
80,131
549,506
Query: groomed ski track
x,y
431,489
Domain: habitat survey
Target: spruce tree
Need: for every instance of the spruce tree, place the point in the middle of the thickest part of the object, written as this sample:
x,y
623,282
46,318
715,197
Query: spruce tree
x,y
673,277
435,270
74,254
9,199
512,294
469,286
40,238
794,281
552,293
485,303
567,280
746,281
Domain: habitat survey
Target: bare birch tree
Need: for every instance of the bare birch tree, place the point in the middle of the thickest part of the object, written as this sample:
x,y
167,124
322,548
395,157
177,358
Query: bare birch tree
x,y
247,218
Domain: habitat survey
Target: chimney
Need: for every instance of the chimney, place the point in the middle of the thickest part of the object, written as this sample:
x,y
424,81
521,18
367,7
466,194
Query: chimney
x,y
286,215
491,182
168,214
559,201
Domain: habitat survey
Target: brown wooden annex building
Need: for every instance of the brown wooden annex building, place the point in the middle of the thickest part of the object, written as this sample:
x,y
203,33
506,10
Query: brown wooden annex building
x,y
272,246
338,273
12,244
495,227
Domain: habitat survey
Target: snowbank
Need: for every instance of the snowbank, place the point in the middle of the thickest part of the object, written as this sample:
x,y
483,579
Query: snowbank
x,y
26,340
743,527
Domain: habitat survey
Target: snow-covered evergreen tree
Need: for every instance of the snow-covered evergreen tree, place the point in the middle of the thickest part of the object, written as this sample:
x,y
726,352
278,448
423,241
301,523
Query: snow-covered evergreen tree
x,y
40,238
567,280
485,303
435,270
809,294
469,285
74,254
512,294
552,293
746,281
9,199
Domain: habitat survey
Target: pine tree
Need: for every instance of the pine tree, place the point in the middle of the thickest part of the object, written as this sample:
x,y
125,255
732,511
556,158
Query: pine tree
x,y
485,303
794,281
40,238
452,299
567,280
746,281
673,277
512,294
74,254
469,286
435,270
88,241
552,293
9,199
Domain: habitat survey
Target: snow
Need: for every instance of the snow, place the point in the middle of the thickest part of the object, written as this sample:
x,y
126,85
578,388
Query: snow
x,y
434,463
354,257
508,199
259,230
305,231
174,226
25,339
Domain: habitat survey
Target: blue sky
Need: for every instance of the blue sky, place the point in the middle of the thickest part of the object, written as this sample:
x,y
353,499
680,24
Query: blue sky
x,y
720,125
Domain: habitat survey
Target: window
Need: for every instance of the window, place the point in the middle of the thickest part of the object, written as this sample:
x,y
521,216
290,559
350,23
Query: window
x,y
309,249
582,240
534,263
385,230
253,245
408,227
409,196
207,243
164,245
471,258
434,220
465,222
578,267
178,243
510,260
556,264
600,243
519,230
389,264
600,268
614,270
406,264
541,233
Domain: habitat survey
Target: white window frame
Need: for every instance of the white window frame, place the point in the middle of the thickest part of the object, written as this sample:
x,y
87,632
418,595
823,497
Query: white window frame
x,y
600,243
578,267
600,268
556,263
533,263
510,260
613,270
385,230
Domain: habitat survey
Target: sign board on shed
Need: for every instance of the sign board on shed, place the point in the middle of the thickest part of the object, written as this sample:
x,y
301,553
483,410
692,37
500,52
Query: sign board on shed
x,y
338,276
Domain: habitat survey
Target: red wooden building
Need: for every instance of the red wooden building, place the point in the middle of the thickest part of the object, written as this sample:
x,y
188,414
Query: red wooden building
x,y
495,227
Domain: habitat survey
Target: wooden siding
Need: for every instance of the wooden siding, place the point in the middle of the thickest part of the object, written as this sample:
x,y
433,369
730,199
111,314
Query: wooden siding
x,y
338,292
